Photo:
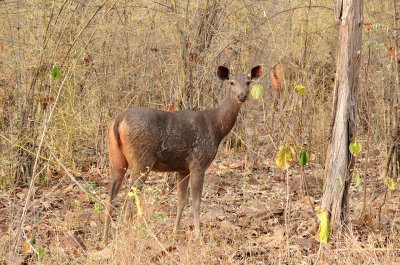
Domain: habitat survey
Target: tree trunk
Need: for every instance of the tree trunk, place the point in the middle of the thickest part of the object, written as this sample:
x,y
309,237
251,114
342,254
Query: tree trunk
x,y
396,97
340,163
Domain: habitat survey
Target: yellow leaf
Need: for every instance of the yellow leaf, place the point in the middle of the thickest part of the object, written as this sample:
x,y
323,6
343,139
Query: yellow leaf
x,y
357,178
26,247
257,91
299,89
324,226
390,183
138,203
284,157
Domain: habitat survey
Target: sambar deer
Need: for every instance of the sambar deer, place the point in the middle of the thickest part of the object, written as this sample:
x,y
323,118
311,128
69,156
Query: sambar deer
x,y
143,139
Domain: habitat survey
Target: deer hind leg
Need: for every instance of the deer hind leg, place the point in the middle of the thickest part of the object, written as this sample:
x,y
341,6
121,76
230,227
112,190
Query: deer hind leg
x,y
138,173
118,165
183,181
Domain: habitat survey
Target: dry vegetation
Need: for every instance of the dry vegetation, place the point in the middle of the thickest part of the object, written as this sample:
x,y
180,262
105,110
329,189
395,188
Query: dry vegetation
x,y
163,54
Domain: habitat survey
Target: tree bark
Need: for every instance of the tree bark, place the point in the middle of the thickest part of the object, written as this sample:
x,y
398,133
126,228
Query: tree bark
x,y
340,163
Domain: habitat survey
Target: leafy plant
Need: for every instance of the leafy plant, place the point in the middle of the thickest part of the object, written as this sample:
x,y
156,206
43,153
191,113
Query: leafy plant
x,y
89,197
134,193
56,72
299,89
390,183
357,178
257,91
97,207
75,203
304,156
284,157
141,230
40,253
89,185
355,147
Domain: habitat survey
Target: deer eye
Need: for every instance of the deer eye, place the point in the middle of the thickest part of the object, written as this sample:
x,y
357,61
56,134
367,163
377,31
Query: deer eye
x,y
248,83
232,83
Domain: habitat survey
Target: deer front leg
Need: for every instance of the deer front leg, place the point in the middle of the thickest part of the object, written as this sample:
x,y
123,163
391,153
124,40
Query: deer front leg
x,y
196,186
183,180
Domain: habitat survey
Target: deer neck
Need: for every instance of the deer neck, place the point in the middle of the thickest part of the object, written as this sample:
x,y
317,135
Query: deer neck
x,y
225,116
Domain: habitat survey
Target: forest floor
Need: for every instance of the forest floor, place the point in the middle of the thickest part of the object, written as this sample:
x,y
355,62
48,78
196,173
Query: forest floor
x,y
243,220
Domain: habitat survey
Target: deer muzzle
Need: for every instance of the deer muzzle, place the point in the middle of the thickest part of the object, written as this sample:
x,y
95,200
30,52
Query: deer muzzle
x,y
242,97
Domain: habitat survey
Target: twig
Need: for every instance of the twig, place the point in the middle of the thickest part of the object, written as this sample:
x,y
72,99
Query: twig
x,y
64,167
82,30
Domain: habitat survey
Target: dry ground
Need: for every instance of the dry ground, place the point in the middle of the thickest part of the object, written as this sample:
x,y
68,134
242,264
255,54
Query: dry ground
x,y
243,220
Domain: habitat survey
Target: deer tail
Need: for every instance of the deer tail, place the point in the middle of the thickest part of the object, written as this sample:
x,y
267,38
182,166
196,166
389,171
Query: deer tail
x,y
117,122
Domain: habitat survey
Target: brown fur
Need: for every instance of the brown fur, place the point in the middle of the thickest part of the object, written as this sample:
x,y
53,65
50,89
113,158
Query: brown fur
x,y
144,139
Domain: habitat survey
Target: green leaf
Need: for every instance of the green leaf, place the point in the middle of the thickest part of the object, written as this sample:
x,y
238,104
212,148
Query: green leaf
x,y
299,89
138,185
357,179
40,253
90,185
376,26
97,207
257,91
324,226
284,157
56,72
32,240
131,194
390,183
303,157
355,147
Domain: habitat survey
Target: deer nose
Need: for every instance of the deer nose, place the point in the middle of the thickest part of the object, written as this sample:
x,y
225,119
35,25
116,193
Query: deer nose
x,y
242,97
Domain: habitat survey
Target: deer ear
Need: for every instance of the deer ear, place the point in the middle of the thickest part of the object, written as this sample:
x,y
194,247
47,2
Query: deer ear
x,y
223,73
256,72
